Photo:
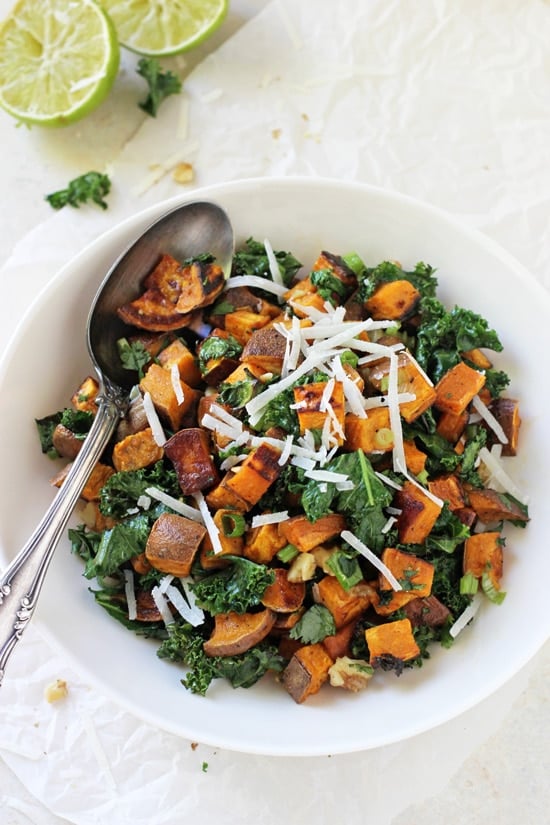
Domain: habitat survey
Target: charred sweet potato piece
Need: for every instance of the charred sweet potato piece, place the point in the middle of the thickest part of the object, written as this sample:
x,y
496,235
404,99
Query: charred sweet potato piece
x,y
415,576
340,643
158,383
263,543
239,297
483,554
242,324
189,452
140,564
302,296
418,514
306,672
265,350
337,266
451,425
234,633
173,544
231,545
283,596
136,451
448,488
310,414
426,612
222,496
156,308
410,379
390,644
490,506
200,286
477,358
255,475
84,398
305,535
457,387
392,300
506,412
146,609
66,442
179,354
372,434
345,605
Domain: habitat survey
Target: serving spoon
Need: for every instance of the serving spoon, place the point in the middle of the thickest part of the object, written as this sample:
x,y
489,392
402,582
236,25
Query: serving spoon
x,y
189,230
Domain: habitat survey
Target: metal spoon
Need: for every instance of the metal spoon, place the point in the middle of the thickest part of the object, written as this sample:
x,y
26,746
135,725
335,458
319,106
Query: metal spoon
x,y
186,231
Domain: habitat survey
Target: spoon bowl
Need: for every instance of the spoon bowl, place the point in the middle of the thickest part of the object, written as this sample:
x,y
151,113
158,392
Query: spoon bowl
x,y
189,230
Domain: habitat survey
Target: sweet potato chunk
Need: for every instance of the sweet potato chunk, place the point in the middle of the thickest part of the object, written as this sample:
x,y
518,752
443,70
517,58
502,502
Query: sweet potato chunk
x,y
189,452
391,644
242,324
265,350
491,506
451,425
483,554
392,300
418,514
283,596
263,543
306,672
415,459
179,354
337,266
415,576
448,488
303,296
506,412
340,643
136,451
84,398
231,545
345,605
66,442
98,478
255,475
310,414
173,544
372,434
306,535
427,611
457,387
234,633
158,383
410,379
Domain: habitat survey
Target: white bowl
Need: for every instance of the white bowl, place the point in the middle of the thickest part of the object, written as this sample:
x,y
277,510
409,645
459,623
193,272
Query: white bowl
x,y
47,359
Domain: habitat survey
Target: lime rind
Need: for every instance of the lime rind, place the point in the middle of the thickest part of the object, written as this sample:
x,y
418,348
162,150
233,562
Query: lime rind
x,y
165,28
59,65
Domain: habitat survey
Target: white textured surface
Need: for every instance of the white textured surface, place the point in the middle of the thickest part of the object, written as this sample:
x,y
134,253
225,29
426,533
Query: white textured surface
x,y
446,101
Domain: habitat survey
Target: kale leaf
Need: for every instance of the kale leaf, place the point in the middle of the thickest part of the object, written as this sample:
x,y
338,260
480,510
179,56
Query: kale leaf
x,y
238,587
329,287
421,277
214,347
253,260
118,545
161,84
93,186
46,427
120,493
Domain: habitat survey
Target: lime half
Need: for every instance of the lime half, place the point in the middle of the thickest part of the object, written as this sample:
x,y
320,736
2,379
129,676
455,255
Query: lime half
x,y
58,60
159,28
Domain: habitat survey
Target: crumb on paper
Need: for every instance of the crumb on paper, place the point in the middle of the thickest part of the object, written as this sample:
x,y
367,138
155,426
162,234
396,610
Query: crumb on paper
x,y
194,746
276,133
305,117
56,690
183,173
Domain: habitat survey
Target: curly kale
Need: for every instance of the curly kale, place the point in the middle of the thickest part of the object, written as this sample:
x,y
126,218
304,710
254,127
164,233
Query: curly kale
x,y
161,84
253,260
238,587
122,490
421,277
92,186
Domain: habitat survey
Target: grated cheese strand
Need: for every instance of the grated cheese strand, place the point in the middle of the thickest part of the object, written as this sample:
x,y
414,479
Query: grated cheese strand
x,y
273,264
153,420
257,282
162,606
176,384
466,616
174,503
130,593
358,545
208,522
181,605
270,518
489,418
500,474
399,461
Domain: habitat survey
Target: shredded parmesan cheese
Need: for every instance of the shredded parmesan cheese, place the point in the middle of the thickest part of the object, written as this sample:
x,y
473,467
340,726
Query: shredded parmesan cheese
x,y
130,593
162,606
273,264
174,503
500,474
466,616
270,518
354,542
490,419
153,420
176,384
208,521
257,282
180,603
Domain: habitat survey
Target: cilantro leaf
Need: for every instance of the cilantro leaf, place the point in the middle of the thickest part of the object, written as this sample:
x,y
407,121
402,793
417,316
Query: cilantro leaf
x,y
92,186
315,625
161,84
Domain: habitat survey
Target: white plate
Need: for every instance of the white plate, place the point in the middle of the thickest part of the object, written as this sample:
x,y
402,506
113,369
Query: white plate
x,y
47,359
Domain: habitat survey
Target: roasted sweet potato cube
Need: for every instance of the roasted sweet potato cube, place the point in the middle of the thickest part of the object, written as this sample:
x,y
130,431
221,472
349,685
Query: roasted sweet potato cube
x,y
311,397
391,642
415,576
173,544
235,633
415,459
179,354
242,324
426,612
201,284
451,425
240,297
490,506
283,596
306,672
410,379
158,383
92,489
305,535
223,497
263,543
302,296
156,308
457,387
372,434
340,643
418,514
478,359
448,488
189,452
265,350
392,300
67,443
136,451
245,372
140,564
483,554
255,475
506,412
84,398
337,266
345,605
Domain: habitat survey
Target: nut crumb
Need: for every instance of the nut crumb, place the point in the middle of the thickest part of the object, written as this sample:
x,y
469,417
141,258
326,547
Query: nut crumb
x,y
194,746
276,133
183,173
56,690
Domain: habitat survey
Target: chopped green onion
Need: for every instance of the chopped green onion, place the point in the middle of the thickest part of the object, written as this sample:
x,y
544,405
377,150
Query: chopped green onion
x,y
233,525
355,263
287,553
494,595
469,584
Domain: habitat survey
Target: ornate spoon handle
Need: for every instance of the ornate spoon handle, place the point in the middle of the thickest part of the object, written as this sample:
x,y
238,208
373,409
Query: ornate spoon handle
x,y
21,583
